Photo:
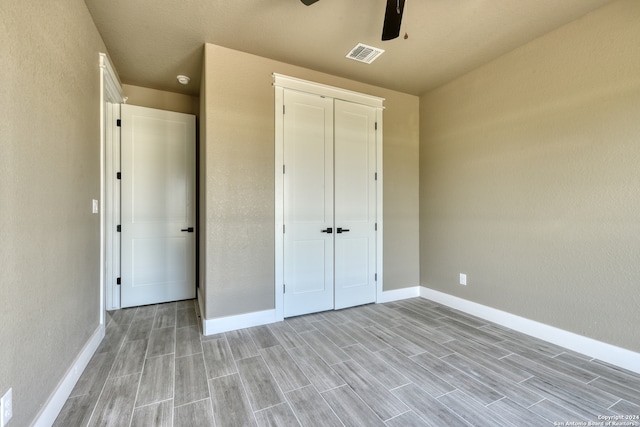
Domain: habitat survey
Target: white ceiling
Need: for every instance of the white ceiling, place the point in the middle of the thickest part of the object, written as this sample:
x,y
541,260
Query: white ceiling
x,y
152,41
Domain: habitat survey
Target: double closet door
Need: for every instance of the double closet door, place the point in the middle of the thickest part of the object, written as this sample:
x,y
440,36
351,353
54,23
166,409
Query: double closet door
x,y
329,203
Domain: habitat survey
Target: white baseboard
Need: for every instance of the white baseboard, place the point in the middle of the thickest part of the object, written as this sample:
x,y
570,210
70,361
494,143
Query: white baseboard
x,y
399,294
618,356
49,412
240,321
258,318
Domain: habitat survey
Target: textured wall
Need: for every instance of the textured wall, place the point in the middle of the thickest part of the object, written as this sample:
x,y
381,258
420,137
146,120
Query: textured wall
x,y
202,188
161,100
239,170
49,172
529,179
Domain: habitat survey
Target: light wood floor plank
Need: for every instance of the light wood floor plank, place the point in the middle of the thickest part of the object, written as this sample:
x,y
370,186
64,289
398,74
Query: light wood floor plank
x,y
190,379
432,412
422,377
263,337
262,389
156,383
408,419
194,414
162,341
316,370
158,415
351,410
230,402
326,349
385,373
337,368
188,341
277,416
218,358
311,409
286,336
115,405
130,359
374,394
285,371
471,410
241,344
516,414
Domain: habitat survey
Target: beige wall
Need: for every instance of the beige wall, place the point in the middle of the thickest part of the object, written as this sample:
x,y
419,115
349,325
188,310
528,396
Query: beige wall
x,y
529,179
239,174
49,173
202,189
160,99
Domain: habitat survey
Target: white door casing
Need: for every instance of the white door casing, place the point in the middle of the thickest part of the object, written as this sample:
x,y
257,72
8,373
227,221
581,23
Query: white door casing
x,y
111,96
158,206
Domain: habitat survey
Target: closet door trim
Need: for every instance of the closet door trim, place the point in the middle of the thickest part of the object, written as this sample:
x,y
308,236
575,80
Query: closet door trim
x,y
287,82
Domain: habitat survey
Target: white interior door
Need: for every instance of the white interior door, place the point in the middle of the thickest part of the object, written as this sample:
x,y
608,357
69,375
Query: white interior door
x,y
308,203
158,206
355,204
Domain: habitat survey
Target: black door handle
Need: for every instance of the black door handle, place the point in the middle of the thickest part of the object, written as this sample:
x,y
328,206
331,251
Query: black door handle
x,y
342,230
328,230
188,230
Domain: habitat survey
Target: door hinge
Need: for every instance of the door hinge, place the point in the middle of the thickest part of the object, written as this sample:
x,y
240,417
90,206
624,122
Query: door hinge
x,y
376,126
283,109
375,277
284,288
283,228
375,227
118,228
283,169
118,281
119,123
118,175
375,176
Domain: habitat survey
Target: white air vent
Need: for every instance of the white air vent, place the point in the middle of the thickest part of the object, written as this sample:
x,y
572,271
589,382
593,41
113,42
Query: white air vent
x,y
364,53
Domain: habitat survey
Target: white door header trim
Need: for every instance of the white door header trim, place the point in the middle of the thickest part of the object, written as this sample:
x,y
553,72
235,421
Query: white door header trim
x,y
112,90
287,82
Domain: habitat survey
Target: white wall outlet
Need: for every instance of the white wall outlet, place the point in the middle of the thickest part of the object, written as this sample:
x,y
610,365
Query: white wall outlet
x,y
463,279
95,206
6,408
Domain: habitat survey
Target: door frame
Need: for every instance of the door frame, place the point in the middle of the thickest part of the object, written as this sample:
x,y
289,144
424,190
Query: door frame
x,y
111,96
280,83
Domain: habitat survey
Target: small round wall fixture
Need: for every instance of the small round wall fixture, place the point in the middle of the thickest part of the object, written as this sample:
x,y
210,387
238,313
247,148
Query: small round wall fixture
x,y
183,80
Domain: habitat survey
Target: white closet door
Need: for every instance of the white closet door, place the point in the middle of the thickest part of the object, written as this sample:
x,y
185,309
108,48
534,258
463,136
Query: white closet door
x,y
308,203
355,204
158,206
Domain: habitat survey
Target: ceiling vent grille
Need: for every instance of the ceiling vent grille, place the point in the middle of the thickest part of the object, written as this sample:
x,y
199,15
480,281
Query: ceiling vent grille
x,y
364,53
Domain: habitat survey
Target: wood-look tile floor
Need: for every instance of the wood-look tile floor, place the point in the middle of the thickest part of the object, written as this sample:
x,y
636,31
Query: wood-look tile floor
x,y
407,363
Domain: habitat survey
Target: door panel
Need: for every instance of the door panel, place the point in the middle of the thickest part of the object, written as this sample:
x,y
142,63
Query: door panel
x,y
158,203
308,203
355,204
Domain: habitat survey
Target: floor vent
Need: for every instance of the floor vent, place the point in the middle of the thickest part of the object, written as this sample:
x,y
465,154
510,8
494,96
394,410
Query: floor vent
x,y
364,53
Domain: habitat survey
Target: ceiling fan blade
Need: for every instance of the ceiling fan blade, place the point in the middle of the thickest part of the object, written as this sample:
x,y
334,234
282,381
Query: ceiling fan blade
x,y
392,19
309,2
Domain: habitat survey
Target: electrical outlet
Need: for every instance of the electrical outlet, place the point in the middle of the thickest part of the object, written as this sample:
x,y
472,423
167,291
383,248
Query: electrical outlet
x,y
6,408
463,279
